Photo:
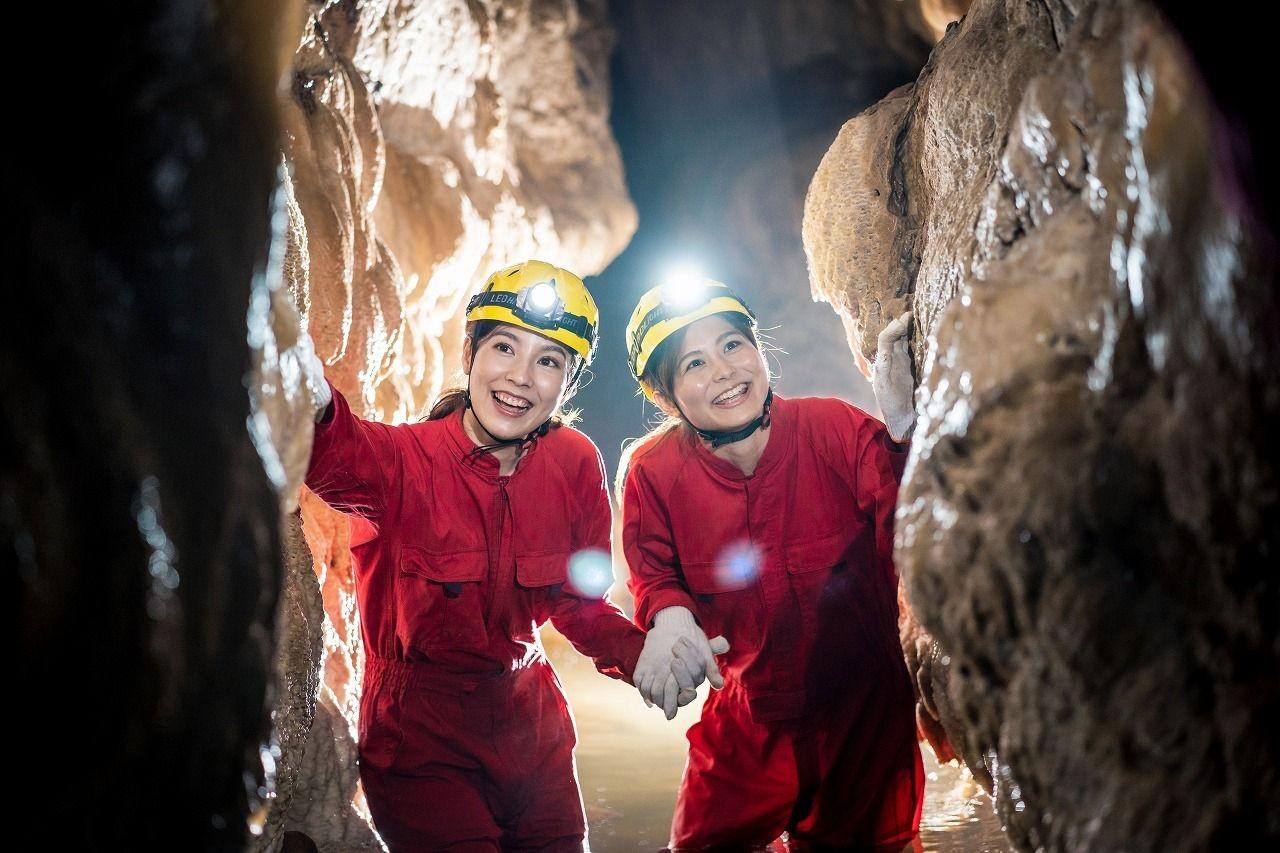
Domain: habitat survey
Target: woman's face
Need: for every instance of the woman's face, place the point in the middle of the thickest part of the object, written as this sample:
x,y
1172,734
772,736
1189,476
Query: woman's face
x,y
720,380
518,378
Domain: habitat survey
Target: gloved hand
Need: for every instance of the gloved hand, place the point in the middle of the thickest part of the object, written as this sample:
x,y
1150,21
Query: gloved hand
x,y
654,676
694,662
891,378
313,377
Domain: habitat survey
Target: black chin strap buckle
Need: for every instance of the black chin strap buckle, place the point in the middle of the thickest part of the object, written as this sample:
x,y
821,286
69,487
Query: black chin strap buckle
x,y
719,438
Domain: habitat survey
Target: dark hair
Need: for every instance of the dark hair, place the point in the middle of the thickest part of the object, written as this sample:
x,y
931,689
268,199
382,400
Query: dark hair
x,y
454,399
660,375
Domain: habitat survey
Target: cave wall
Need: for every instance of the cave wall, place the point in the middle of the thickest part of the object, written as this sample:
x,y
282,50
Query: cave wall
x,y
1090,514
137,519
199,184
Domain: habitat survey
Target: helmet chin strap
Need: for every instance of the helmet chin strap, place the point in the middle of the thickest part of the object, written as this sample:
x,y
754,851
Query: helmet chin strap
x,y
721,437
499,443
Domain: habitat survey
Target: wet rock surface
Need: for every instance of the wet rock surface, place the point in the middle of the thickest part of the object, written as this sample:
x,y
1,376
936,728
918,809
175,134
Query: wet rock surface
x,y
138,522
1090,518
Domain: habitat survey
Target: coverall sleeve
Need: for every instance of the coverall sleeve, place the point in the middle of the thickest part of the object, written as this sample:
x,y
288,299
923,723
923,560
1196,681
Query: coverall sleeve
x,y
593,624
876,470
649,547
350,459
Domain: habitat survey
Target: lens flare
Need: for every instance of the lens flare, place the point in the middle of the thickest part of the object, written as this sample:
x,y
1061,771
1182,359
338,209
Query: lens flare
x,y
739,565
591,571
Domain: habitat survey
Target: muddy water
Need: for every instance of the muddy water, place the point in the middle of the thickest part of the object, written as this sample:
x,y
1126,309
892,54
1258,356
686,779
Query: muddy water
x,y
630,758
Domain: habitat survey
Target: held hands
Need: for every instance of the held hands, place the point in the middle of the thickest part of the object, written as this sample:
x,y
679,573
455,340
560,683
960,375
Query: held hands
x,y
676,658
891,378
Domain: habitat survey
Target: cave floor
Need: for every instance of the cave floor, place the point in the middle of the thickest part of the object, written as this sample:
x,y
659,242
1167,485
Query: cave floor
x,y
630,758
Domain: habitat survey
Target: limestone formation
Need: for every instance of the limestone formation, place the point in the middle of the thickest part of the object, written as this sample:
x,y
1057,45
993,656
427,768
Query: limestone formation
x,y
1090,511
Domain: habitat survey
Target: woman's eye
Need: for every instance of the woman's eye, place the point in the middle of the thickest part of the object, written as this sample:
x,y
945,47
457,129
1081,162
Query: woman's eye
x,y
696,362
502,346
732,345
548,361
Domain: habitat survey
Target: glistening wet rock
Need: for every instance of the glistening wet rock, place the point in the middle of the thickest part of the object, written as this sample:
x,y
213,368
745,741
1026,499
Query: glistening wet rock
x,y
1090,518
138,521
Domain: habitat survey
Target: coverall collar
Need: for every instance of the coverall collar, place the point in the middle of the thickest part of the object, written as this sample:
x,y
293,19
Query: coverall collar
x,y
781,437
483,465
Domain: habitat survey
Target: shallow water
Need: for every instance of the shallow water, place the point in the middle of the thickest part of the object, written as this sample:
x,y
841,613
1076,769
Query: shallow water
x,y
630,758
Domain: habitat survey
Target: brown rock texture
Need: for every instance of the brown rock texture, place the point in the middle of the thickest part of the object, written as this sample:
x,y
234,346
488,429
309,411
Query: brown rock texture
x,y
137,520
1090,516
426,145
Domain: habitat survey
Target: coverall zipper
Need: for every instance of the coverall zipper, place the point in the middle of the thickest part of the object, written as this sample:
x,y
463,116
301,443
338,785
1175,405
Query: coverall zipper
x,y
500,577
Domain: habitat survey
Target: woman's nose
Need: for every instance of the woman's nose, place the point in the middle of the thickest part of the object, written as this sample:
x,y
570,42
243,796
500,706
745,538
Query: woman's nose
x,y
518,372
721,368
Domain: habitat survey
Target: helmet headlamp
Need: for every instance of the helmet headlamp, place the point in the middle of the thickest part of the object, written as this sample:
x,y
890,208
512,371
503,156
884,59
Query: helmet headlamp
x,y
541,300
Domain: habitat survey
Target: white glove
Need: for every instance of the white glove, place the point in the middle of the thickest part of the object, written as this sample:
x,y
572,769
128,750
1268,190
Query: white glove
x,y
695,662
313,376
654,676
891,378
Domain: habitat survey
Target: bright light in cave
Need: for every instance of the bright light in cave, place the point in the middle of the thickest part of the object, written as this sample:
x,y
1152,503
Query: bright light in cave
x,y
682,284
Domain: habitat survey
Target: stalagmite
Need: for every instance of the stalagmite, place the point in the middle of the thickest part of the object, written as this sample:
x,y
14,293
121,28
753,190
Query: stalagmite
x,y
1090,511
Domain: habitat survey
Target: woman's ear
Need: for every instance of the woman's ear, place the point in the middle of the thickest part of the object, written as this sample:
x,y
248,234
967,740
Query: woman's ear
x,y
665,403
468,353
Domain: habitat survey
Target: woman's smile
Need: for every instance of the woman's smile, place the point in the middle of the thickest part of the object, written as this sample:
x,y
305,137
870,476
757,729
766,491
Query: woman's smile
x,y
733,397
511,405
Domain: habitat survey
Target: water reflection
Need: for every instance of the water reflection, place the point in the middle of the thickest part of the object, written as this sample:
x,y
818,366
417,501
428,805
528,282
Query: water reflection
x,y
630,759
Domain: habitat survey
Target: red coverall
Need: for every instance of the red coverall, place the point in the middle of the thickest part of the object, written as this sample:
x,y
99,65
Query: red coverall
x,y
465,738
814,732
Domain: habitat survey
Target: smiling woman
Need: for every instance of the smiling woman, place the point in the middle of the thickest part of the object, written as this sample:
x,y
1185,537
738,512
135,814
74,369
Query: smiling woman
x,y
487,520
517,385
768,522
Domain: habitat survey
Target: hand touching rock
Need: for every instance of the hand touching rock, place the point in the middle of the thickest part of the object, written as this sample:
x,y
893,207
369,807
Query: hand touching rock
x,y
891,378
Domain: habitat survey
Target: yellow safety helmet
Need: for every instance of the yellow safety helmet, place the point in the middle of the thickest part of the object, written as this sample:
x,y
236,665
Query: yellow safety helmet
x,y
668,308
542,298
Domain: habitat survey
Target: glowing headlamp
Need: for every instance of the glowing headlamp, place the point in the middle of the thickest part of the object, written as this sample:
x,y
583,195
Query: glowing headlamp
x,y
684,289
539,303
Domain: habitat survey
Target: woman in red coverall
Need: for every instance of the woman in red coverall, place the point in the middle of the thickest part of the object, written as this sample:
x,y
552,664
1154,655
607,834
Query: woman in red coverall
x,y
488,518
770,521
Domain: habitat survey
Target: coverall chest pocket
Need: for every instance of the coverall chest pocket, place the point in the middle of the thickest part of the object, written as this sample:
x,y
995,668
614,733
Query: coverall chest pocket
x,y
547,571
819,582
440,599
728,598
540,579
